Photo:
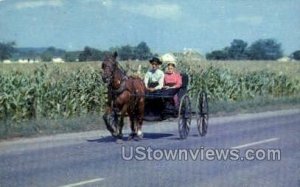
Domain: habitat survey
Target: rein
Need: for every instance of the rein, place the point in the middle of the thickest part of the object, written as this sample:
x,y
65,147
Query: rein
x,y
123,79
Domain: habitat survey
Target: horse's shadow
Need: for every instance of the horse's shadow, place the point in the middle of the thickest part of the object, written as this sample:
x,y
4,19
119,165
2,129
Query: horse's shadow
x,y
105,139
156,135
147,136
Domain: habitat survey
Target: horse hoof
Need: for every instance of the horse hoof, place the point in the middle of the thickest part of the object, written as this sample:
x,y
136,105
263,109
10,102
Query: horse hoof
x,y
115,134
139,133
131,136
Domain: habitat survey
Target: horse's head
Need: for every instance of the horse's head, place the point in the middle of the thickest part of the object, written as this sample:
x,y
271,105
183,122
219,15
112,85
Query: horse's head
x,y
108,67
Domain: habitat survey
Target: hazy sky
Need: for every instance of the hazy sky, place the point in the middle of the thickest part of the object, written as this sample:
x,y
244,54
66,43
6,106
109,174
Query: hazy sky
x,y
165,25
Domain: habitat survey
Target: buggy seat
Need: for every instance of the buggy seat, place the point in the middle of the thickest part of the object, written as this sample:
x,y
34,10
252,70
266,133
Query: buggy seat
x,y
185,83
161,105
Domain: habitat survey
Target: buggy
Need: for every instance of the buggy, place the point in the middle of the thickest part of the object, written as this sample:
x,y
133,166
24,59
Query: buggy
x,y
161,107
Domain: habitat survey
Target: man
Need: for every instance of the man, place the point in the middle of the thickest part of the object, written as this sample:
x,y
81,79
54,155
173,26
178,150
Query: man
x,y
154,82
154,78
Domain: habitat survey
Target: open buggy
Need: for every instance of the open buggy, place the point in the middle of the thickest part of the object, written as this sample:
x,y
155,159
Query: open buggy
x,y
161,107
127,97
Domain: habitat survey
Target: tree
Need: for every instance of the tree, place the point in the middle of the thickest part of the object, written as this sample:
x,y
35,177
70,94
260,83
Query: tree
x,y
217,55
90,54
126,53
46,56
6,50
71,56
85,54
296,55
51,52
265,49
237,50
142,51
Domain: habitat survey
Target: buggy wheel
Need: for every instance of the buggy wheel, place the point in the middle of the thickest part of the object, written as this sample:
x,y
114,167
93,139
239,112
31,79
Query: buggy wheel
x,y
184,117
202,118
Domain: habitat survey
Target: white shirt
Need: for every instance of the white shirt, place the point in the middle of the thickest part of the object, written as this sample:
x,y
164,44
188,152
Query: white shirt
x,y
155,76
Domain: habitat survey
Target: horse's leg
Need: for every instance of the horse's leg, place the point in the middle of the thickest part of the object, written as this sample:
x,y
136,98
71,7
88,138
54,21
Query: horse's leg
x,y
132,127
107,119
139,117
121,125
127,108
121,122
120,129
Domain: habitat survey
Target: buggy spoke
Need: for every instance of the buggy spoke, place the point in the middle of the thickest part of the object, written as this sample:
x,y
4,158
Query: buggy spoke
x,y
202,118
184,117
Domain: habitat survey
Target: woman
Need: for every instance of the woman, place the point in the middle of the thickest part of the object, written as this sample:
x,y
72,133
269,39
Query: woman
x,y
172,79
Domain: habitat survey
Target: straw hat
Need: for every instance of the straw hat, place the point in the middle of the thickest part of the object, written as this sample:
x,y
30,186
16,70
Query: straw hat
x,y
169,58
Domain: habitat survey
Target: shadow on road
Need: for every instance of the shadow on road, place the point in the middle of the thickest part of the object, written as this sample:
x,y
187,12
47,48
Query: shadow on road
x,y
105,139
156,135
147,136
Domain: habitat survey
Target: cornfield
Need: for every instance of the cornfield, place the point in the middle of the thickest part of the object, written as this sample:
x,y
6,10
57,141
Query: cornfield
x,y
239,81
223,84
53,91
50,92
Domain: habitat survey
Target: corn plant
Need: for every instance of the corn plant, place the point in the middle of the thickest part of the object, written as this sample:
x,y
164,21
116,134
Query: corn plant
x,y
63,91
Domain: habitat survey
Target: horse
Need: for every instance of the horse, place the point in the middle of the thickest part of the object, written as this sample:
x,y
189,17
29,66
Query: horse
x,y
125,96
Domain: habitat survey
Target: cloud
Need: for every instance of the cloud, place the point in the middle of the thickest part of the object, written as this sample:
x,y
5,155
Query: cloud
x,y
157,11
38,3
252,20
105,3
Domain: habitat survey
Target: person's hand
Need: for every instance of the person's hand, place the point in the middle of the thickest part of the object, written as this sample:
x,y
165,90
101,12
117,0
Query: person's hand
x,y
151,89
168,87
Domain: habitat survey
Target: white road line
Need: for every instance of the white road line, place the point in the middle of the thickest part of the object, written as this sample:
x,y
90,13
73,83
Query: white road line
x,y
255,143
83,182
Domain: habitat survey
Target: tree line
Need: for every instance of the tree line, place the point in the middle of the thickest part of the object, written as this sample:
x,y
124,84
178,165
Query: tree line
x,y
127,52
262,49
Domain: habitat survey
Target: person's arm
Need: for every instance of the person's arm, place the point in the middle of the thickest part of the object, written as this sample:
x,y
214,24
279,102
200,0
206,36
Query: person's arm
x,y
160,81
146,79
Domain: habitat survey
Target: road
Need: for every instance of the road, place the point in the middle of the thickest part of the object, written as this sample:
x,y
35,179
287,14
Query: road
x,y
94,159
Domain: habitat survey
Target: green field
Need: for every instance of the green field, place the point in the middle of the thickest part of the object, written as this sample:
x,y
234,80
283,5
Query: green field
x,y
50,98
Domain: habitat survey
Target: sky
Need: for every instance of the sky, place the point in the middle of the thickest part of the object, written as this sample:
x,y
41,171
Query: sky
x,y
165,25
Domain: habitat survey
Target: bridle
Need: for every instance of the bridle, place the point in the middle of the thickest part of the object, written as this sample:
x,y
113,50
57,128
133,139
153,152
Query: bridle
x,y
113,67
107,78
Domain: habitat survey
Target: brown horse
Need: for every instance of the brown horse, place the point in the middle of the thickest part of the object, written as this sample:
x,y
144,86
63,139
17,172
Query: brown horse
x,y
125,96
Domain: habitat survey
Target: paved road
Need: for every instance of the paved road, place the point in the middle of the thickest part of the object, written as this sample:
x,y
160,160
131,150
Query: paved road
x,y
94,159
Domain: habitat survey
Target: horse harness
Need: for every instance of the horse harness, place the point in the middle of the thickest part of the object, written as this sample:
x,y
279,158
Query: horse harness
x,y
115,92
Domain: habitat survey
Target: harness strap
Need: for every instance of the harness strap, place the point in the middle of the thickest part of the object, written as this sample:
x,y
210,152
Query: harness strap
x,y
122,87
